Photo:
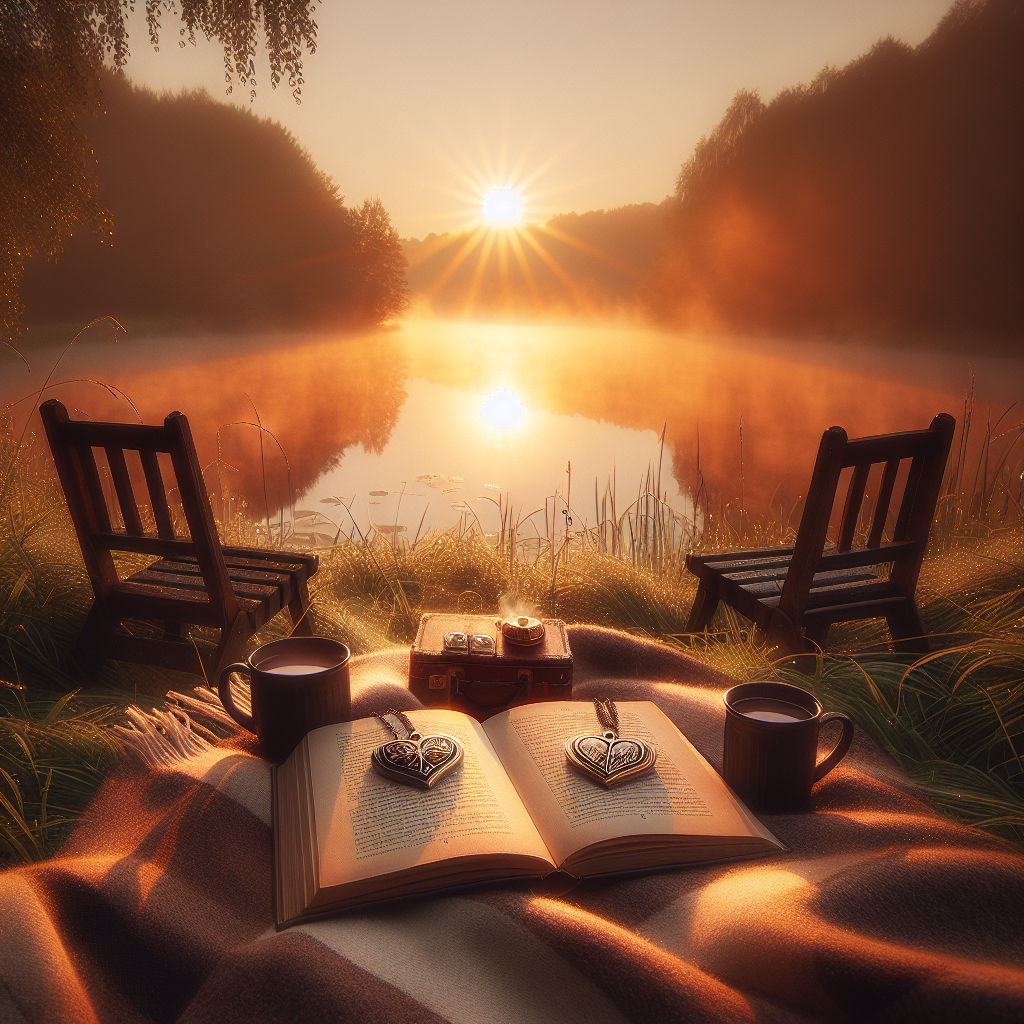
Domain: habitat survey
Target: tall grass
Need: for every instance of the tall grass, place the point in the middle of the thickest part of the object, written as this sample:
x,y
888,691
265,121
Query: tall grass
x,y
53,755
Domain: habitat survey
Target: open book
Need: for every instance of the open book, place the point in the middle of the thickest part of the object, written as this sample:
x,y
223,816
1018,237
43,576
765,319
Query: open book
x,y
345,835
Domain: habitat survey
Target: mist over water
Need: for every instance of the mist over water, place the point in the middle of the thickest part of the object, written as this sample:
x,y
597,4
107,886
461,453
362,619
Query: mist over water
x,y
444,419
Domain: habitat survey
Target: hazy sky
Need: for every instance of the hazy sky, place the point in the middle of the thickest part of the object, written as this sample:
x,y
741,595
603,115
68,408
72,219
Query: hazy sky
x,y
582,105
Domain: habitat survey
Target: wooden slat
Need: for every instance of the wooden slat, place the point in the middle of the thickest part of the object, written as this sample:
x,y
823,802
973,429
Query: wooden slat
x,y
833,580
901,531
147,544
293,569
865,556
854,500
91,477
885,447
874,609
725,556
264,576
123,487
749,565
132,436
840,597
98,563
814,522
256,591
756,575
925,498
853,594
263,555
761,588
157,494
892,468
822,581
196,505
147,601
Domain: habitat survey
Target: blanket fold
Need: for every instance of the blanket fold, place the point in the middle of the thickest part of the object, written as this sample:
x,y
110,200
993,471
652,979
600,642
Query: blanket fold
x,y
159,906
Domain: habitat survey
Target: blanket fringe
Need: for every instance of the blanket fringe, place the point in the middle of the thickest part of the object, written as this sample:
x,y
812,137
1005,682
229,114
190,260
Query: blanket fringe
x,y
164,738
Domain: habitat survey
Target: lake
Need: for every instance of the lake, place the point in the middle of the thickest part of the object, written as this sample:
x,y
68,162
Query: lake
x,y
436,423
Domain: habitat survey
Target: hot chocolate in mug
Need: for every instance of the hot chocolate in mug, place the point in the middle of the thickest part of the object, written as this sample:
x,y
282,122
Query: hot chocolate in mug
x,y
771,745
297,684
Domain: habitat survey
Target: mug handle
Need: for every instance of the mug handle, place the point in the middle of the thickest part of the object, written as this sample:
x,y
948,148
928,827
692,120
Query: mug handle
x,y
839,750
224,689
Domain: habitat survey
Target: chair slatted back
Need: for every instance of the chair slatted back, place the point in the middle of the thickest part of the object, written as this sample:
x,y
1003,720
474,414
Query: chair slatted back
x,y
72,443
927,451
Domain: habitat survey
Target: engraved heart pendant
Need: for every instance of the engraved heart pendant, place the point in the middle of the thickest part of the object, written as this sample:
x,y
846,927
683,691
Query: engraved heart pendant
x,y
609,759
421,761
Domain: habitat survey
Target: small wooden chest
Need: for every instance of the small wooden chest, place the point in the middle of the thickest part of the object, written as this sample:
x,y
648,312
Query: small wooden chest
x,y
463,662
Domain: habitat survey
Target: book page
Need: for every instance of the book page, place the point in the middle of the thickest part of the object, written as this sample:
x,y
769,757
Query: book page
x,y
681,796
369,825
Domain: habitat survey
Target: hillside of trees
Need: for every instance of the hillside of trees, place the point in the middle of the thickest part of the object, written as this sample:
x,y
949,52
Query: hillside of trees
x,y
595,263
883,196
220,219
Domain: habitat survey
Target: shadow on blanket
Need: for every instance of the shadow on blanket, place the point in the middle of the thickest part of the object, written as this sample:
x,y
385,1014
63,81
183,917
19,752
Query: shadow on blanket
x,y
159,907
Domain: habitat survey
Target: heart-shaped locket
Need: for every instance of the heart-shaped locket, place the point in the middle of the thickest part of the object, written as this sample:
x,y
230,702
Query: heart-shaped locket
x,y
421,761
610,759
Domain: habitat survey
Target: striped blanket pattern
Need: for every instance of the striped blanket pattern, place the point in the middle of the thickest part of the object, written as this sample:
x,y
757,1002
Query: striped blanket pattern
x,y
159,907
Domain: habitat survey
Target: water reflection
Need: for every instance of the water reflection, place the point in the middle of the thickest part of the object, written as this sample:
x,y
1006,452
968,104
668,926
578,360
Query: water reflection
x,y
502,410
419,428
313,396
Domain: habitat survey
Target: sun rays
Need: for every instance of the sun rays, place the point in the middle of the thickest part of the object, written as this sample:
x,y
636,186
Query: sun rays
x,y
502,251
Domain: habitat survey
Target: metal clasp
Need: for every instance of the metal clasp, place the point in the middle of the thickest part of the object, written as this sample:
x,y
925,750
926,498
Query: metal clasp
x,y
458,643
480,643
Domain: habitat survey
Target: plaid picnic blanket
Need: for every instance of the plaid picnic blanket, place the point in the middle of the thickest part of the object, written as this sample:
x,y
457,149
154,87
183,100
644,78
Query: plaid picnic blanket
x,y
159,908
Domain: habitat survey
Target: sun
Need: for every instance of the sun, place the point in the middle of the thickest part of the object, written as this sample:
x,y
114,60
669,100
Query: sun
x,y
502,206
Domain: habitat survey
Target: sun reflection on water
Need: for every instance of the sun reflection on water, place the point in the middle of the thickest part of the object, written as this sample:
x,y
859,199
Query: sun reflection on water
x,y
503,411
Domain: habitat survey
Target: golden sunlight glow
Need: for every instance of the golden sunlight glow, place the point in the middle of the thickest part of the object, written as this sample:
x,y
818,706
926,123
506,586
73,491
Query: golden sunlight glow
x,y
502,205
498,233
502,410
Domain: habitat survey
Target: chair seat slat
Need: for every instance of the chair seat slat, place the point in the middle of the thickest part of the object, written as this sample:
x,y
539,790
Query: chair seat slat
x,y
256,591
280,564
141,600
184,568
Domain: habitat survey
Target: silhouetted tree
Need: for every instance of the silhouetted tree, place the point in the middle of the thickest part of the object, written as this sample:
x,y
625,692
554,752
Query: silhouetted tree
x,y
52,53
381,263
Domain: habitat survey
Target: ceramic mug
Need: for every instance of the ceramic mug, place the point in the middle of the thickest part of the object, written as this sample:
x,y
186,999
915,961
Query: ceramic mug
x,y
771,745
296,684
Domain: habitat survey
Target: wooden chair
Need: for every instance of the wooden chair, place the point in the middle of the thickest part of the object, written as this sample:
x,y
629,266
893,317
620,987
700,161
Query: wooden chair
x,y
195,581
795,593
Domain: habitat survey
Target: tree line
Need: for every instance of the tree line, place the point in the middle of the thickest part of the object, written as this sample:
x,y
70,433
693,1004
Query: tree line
x,y
219,218
883,196
593,264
